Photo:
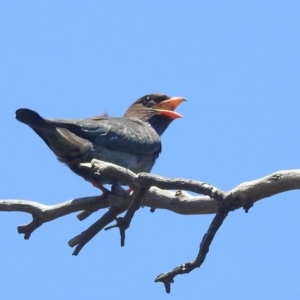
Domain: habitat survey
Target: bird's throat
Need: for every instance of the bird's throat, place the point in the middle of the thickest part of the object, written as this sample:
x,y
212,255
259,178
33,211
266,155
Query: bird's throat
x,y
160,123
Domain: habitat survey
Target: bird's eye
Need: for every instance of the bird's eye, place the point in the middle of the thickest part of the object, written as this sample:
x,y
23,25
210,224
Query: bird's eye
x,y
148,102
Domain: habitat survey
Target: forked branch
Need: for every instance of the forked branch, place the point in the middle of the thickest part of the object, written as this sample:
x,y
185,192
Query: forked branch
x,y
155,192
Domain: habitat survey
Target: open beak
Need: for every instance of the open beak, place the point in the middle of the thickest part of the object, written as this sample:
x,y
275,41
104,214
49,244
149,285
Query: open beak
x,y
168,106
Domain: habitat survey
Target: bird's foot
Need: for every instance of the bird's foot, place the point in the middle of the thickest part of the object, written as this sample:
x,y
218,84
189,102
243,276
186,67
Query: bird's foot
x,y
118,190
98,185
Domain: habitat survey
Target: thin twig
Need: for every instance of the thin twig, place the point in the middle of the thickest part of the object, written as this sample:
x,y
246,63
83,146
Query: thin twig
x,y
180,184
216,201
28,229
168,277
80,240
124,223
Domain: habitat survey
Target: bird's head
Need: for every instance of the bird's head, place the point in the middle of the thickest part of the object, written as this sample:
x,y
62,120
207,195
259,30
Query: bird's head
x,y
156,109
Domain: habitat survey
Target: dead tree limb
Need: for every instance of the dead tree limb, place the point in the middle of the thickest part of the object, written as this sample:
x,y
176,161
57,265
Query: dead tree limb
x,y
155,192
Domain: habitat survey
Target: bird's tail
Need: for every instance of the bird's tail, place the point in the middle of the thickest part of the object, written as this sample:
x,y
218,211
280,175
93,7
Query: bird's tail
x,y
34,120
60,140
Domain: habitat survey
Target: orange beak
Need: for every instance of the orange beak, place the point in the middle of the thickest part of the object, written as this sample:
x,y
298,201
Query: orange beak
x,y
168,106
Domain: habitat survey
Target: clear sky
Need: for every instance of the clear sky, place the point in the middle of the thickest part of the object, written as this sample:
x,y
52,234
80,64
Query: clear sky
x,y
238,65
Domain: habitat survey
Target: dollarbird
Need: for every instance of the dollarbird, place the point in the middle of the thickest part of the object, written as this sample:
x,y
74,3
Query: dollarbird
x,y
132,141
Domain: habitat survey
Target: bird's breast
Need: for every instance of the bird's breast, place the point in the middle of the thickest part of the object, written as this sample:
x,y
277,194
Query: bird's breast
x,y
135,162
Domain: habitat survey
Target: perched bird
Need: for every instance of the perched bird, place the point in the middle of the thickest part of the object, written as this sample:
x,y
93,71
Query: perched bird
x,y
132,141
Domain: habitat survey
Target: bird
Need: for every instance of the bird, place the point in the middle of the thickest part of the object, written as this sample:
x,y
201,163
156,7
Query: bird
x,y
132,141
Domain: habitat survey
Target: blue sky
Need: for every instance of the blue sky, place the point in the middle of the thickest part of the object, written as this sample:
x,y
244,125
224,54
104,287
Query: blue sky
x,y
236,62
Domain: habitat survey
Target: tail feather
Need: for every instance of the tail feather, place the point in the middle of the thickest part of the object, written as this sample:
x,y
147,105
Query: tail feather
x,y
34,120
60,140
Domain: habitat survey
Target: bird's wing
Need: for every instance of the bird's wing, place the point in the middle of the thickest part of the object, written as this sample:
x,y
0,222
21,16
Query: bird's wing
x,y
128,135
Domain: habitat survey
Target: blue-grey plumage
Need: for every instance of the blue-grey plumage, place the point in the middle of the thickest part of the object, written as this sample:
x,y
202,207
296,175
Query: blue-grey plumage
x,y
132,141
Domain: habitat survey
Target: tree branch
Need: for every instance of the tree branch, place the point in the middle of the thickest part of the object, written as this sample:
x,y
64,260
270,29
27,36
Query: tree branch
x,y
154,191
168,277
80,240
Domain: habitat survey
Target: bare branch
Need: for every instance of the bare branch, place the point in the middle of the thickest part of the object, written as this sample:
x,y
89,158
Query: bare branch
x,y
180,184
181,203
148,191
168,277
29,228
80,240
243,195
267,186
97,167
123,223
141,183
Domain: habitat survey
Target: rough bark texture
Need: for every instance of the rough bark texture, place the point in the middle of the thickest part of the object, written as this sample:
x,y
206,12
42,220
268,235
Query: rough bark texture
x,y
157,193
